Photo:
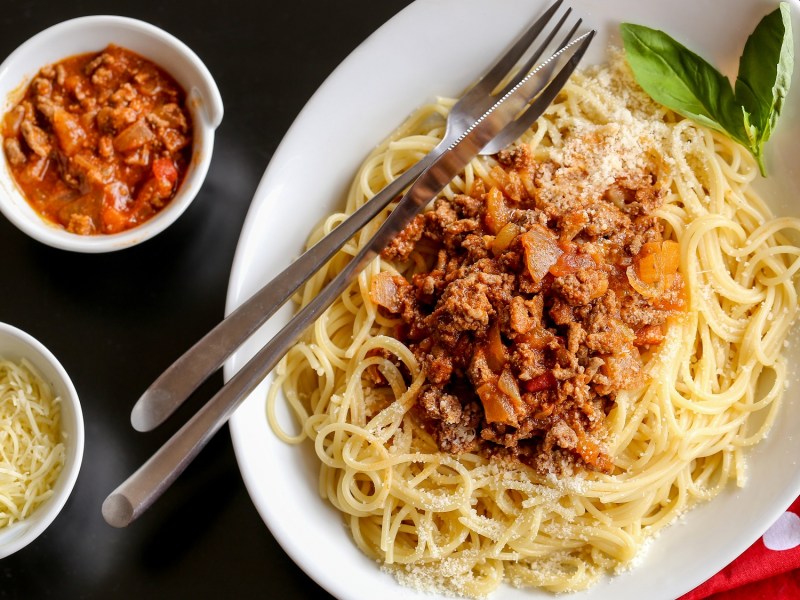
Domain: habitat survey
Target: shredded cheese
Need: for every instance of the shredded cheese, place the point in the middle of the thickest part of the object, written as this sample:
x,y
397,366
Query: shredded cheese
x,y
32,451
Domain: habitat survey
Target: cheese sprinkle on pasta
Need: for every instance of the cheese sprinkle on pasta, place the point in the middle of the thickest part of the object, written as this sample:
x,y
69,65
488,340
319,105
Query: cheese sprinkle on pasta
x,y
32,451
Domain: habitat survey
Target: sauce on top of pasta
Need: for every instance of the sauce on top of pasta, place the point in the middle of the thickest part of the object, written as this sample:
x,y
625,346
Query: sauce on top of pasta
x,y
100,142
533,314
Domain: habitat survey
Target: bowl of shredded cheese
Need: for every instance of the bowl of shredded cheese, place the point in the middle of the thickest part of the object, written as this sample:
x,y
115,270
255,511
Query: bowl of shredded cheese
x,y
41,438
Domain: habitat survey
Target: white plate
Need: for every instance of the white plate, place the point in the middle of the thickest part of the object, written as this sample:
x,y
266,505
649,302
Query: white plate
x,y
436,47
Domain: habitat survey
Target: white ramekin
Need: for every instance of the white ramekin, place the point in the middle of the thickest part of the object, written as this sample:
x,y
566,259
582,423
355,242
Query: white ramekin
x,y
92,34
15,345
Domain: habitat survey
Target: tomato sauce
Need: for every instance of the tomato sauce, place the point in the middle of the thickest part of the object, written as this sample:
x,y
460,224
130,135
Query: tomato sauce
x,y
100,142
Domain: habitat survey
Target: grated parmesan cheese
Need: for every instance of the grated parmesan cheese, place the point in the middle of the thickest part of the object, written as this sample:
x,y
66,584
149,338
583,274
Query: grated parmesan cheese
x,y
32,451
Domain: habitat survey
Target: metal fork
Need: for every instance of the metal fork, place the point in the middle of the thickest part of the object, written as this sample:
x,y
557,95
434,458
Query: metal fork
x,y
142,488
186,374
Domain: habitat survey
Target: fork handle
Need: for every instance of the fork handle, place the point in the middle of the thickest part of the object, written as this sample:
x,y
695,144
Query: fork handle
x,y
208,354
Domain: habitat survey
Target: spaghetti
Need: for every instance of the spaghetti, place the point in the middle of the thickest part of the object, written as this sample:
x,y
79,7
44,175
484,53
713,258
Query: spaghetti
x,y
467,522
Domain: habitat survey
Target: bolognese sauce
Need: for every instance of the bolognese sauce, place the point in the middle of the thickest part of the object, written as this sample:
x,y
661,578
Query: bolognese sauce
x,y
100,142
531,314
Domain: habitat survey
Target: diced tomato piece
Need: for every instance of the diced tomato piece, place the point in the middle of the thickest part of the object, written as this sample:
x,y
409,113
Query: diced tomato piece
x,y
545,381
165,174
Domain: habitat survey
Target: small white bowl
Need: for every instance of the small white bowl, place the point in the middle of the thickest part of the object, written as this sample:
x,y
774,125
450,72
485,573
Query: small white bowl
x,y
93,34
16,345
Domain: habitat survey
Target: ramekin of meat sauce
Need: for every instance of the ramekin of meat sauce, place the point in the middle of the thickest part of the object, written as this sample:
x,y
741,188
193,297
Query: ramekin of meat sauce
x,y
105,147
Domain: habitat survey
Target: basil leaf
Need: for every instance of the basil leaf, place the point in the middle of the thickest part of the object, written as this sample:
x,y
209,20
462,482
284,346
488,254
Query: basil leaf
x,y
765,71
681,80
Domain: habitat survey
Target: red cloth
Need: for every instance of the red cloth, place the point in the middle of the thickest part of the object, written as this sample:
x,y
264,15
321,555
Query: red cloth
x,y
770,568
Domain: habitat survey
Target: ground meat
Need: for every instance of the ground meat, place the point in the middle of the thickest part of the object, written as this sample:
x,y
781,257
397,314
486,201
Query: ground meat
x,y
440,405
475,246
604,218
440,218
438,364
581,287
14,151
529,361
456,230
80,224
521,318
562,436
524,354
637,312
464,306
401,246
462,436
469,206
36,139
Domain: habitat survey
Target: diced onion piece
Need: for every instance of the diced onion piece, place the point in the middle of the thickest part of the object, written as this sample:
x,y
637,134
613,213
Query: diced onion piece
x,y
12,121
509,182
648,290
113,212
91,169
497,406
497,211
495,351
134,136
384,290
541,251
507,384
528,182
504,238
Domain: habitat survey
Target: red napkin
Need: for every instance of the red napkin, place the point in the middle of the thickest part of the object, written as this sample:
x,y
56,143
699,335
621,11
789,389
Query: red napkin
x,y
770,568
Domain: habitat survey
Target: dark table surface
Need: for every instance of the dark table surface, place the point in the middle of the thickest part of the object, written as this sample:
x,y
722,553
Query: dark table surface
x,y
115,321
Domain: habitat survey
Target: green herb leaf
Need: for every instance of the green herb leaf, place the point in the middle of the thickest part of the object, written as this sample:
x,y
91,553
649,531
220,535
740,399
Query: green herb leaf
x,y
765,71
683,81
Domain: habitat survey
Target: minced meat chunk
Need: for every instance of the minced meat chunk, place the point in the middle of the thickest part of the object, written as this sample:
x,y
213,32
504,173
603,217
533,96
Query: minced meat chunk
x,y
581,287
525,342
